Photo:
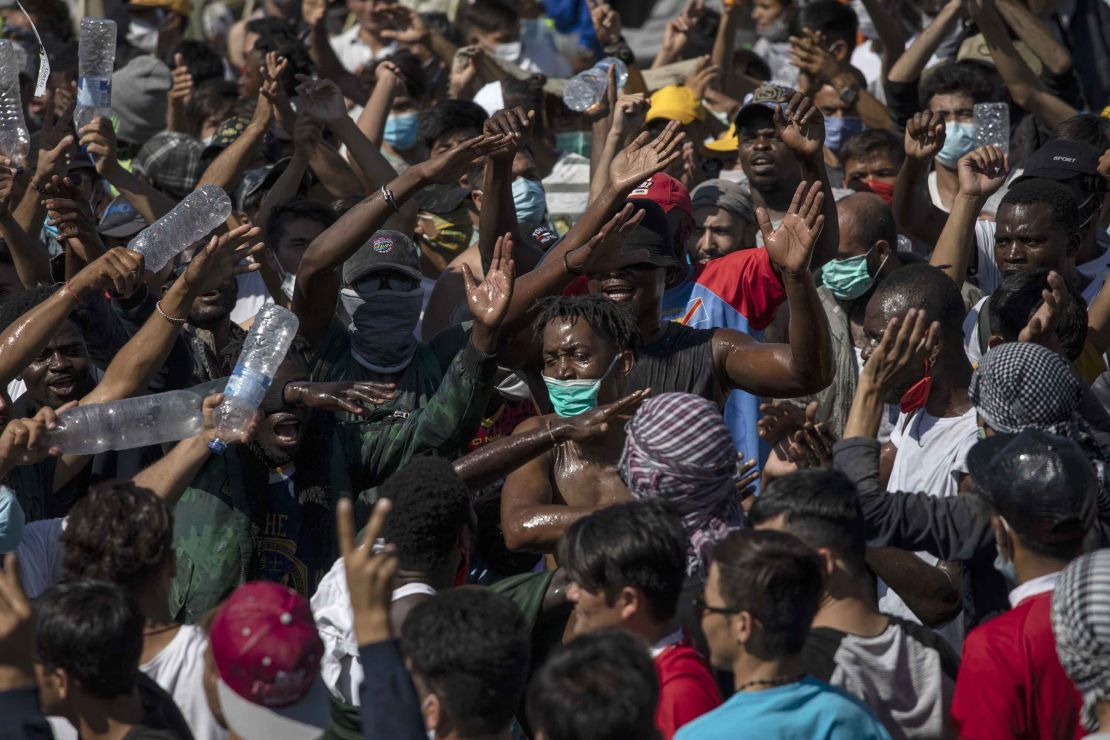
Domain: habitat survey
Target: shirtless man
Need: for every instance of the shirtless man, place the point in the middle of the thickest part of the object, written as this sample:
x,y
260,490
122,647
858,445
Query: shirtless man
x,y
588,352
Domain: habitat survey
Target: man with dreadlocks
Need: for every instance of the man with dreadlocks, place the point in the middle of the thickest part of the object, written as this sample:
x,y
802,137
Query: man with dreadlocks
x,y
589,348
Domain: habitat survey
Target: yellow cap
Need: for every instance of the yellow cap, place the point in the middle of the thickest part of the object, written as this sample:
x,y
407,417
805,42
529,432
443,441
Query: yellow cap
x,y
184,7
1105,112
675,103
726,143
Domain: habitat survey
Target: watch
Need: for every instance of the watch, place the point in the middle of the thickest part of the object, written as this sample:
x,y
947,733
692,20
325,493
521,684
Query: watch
x,y
849,95
621,50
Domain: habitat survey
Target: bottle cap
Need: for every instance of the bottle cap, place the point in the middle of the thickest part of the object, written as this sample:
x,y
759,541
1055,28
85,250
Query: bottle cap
x,y
218,446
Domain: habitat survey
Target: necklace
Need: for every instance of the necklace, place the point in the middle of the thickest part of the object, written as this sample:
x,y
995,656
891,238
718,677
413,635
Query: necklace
x,y
160,630
773,681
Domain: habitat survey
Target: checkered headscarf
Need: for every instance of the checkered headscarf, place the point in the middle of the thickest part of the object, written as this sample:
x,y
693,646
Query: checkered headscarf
x,y
1081,624
678,448
1021,385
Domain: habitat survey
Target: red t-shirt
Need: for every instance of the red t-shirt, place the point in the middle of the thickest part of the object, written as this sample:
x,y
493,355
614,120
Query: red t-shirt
x,y
1011,683
686,688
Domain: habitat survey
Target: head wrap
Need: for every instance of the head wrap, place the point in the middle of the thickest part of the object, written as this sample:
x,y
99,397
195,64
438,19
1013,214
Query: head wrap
x,y
1021,385
678,448
734,197
1081,625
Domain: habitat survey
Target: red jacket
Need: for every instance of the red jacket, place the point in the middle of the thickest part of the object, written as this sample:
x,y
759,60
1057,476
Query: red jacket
x,y
687,689
1011,683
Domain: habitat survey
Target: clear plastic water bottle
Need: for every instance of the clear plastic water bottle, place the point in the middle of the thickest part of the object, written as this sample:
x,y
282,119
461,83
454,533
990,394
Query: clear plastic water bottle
x,y
588,87
192,219
992,125
265,347
15,141
128,423
96,58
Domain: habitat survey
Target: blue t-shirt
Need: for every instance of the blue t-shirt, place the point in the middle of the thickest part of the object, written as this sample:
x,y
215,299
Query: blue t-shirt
x,y
807,710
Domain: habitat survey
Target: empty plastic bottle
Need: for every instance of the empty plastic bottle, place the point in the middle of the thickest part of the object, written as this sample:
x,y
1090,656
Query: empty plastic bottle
x,y
992,125
132,422
192,219
15,141
588,87
96,58
263,350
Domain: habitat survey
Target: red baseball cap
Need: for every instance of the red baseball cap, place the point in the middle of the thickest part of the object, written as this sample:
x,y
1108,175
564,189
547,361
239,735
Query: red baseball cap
x,y
267,653
666,191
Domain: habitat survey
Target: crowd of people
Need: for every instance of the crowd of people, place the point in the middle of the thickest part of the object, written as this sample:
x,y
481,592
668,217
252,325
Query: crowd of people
x,y
766,394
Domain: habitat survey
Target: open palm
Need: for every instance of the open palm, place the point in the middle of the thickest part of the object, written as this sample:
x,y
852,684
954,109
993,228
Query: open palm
x,y
801,126
790,246
643,157
489,300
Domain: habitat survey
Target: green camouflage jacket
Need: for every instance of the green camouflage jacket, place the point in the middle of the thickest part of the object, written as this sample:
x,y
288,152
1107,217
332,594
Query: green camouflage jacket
x,y
217,523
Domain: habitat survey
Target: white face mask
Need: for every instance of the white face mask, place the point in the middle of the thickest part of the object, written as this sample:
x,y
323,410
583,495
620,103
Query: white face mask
x,y
510,52
143,35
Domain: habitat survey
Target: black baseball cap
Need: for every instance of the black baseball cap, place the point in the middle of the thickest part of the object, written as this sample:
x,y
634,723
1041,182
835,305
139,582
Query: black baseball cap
x,y
653,234
1042,484
1072,163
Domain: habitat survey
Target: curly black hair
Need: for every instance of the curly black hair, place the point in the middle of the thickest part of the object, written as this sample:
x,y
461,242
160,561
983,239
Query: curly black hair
x,y
431,506
19,302
602,314
119,533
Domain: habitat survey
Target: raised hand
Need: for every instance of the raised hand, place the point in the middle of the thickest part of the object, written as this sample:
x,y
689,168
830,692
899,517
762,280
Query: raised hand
x,y
801,126
489,300
602,253
119,269
221,259
1041,328
306,137
704,76
321,99
607,22
516,124
208,410
71,213
982,171
99,139
780,419
388,73
595,422
23,441
678,30
182,82
410,27
924,135
791,245
900,354
369,571
314,11
810,54
644,157
455,162
812,446
350,397
628,114
55,141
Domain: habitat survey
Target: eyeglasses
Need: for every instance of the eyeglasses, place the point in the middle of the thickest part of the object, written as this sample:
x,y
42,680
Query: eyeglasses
x,y
700,608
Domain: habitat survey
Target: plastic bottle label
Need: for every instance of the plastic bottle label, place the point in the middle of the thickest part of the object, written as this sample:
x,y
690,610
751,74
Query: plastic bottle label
x,y
248,384
94,92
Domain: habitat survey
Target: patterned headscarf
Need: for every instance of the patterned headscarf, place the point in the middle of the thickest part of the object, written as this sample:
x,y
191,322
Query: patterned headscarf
x,y
1021,385
1081,624
678,448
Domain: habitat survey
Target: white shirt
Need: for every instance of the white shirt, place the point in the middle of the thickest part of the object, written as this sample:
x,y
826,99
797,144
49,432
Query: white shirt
x,y
932,453
179,669
340,667
1038,585
353,53
253,295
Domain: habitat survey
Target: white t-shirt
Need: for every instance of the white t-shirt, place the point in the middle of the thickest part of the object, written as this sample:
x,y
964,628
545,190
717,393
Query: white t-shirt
x,y
932,453
179,669
253,295
40,555
353,53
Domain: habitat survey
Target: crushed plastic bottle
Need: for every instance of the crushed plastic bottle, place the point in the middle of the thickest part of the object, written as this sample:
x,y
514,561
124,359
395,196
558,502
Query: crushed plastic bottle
x,y
15,141
588,87
192,219
96,58
992,125
263,350
128,423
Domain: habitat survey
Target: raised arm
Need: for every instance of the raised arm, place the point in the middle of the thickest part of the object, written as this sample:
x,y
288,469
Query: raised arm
x,y
981,172
22,341
498,214
677,33
32,264
181,89
1026,88
802,129
810,54
55,147
323,55
1032,31
317,285
892,35
628,115
724,45
912,63
388,84
228,167
805,365
914,211
99,140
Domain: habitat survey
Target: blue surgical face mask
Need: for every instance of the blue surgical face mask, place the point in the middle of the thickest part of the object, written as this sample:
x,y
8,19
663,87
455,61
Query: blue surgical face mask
x,y
576,395
849,278
840,129
400,130
530,200
959,139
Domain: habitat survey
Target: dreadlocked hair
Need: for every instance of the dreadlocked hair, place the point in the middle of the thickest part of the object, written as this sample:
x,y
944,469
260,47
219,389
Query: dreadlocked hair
x,y
603,316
